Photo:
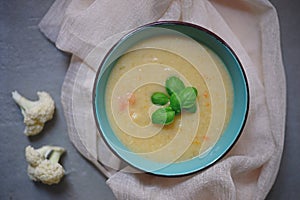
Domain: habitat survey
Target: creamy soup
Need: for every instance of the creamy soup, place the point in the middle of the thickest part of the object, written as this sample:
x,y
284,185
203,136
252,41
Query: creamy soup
x,y
143,70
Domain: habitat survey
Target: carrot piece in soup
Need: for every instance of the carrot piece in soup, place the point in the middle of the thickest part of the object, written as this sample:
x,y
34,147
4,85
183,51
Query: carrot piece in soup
x,y
131,99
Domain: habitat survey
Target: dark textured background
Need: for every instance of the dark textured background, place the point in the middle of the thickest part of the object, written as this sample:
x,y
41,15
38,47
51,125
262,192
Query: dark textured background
x,y
29,62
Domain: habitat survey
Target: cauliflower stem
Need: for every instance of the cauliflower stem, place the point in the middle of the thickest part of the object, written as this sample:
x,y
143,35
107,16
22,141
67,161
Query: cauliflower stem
x,y
56,154
35,113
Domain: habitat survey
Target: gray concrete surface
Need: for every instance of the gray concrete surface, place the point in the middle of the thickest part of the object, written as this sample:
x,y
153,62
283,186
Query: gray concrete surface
x,y
29,62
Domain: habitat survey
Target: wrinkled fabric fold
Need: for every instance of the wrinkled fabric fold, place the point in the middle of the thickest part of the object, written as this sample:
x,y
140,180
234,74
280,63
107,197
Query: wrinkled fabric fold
x,y
88,29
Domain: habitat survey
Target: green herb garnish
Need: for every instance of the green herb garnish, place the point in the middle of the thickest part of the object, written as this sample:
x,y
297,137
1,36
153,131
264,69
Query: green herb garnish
x,y
163,116
175,103
159,98
181,97
174,85
187,97
192,109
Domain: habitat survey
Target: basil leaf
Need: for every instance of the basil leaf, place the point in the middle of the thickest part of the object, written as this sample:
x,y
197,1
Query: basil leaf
x,y
163,116
192,109
187,97
159,98
195,90
174,85
175,103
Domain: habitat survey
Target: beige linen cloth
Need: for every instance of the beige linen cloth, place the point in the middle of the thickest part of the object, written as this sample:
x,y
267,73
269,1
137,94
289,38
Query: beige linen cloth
x,y
87,29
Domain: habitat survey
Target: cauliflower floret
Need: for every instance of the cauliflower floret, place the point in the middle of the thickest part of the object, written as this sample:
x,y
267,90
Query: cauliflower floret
x,y
34,129
47,171
30,172
35,156
35,113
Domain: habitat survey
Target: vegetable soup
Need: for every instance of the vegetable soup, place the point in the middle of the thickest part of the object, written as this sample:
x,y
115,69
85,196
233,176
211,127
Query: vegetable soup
x,y
136,89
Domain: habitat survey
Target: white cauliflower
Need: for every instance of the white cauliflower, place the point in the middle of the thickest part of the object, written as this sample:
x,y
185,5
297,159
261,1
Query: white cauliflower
x,y
43,164
30,172
35,113
48,172
35,156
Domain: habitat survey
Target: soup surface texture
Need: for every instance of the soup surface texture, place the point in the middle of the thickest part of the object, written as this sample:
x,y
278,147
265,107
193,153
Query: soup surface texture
x,y
143,70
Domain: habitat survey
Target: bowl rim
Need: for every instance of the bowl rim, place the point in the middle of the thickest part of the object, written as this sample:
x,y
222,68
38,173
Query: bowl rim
x,y
200,28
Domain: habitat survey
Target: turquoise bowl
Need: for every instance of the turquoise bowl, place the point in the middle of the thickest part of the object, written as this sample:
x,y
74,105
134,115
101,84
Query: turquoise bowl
x,y
239,112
